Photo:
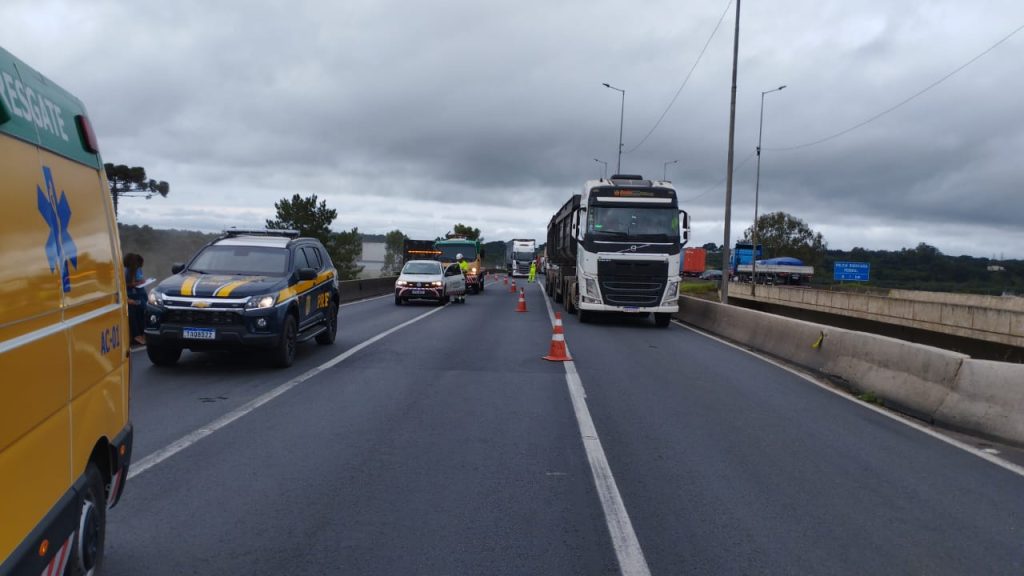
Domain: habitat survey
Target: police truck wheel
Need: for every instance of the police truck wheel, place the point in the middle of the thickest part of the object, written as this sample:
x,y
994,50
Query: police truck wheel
x,y
91,530
327,337
284,354
162,355
662,319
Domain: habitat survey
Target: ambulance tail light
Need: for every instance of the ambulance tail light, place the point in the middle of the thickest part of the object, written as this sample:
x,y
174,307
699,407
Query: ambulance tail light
x,y
86,134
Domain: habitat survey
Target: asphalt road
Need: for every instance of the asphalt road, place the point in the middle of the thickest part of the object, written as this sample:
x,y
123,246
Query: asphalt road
x,y
448,446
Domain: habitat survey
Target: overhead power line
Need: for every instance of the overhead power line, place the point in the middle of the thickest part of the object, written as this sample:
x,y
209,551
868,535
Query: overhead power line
x,y
903,102
685,80
720,182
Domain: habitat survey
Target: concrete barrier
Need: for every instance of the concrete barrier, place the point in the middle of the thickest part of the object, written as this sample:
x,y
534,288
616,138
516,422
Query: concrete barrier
x,y
987,398
349,290
935,385
985,318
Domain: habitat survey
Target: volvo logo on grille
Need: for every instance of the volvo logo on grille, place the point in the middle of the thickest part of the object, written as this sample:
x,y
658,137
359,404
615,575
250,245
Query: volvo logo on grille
x,y
632,248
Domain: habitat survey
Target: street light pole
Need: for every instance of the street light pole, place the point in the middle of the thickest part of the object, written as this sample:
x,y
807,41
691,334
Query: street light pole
x,y
622,114
757,189
731,158
605,167
664,169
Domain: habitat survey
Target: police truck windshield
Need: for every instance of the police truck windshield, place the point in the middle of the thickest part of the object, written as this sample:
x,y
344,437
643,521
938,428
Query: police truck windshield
x,y
628,223
245,260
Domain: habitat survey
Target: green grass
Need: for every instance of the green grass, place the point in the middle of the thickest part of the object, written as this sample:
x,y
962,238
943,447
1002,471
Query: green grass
x,y
698,287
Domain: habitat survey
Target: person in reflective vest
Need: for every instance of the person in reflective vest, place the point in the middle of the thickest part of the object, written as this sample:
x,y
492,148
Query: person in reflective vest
x,y
463,265
533,270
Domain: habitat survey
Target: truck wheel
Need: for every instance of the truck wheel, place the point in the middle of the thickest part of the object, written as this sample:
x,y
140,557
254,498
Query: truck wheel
x,y
327,337
91,532
284,354
163,355
570,299
662,319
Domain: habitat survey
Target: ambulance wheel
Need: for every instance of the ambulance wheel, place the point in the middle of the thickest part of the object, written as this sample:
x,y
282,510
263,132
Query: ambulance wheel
x,y
662,319
162,355
91,532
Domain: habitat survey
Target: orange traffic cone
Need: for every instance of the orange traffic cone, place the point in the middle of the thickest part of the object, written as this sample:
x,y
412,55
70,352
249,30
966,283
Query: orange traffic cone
x,y
522,301
512,288
557,353
506,280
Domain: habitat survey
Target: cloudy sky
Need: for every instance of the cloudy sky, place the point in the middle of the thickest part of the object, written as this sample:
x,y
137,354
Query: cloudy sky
x,y
417,115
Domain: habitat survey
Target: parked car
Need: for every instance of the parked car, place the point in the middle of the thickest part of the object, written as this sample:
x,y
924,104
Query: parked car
x,y
247,289
430,280
711,275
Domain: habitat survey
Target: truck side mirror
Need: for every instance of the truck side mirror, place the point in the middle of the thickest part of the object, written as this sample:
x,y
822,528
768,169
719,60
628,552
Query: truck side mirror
x,y
685,231
177,267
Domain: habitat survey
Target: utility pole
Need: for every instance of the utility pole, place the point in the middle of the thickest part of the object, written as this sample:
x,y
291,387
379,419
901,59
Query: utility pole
x,y
728,168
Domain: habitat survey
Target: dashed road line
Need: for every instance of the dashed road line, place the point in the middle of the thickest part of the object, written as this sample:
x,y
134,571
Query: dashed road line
x,y
624,541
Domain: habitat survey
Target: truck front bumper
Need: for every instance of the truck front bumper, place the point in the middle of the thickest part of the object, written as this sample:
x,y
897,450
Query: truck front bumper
x,y
670,309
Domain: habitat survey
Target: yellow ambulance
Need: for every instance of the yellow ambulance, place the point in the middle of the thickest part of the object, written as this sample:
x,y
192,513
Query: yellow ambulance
x,y
65,434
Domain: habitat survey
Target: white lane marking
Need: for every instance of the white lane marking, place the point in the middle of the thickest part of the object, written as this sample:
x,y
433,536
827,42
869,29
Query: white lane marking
x,y
627,546
983,454
191,438
363,300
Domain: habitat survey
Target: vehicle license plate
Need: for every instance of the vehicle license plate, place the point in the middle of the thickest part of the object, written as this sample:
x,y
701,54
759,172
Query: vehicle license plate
x,y
419,291
199,333
631,309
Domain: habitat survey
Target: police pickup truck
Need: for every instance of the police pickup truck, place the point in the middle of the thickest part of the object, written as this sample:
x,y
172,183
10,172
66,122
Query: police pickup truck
x,y
247,289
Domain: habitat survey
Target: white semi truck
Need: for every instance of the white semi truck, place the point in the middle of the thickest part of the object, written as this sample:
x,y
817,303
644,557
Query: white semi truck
x,y
519,253
616,248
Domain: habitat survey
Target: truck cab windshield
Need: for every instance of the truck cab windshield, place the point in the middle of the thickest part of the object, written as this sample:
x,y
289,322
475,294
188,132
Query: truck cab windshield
x,y
448,253
634,224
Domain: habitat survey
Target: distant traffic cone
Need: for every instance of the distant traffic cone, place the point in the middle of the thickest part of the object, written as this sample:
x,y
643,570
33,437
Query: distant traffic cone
x,y
522,301
506,280
512,288
557,353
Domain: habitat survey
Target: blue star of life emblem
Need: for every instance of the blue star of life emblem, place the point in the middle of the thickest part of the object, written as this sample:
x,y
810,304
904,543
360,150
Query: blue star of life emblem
x,y
60,248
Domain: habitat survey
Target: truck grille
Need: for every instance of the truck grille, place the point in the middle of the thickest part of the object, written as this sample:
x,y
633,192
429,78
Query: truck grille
x,y
632,282
203,317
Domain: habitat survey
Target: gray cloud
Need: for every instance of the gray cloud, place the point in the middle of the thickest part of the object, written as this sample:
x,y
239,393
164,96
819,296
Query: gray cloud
x,y
418,115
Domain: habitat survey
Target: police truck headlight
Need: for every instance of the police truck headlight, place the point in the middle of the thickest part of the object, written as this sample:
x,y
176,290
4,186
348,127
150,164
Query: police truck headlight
x,y
155,298
401,283
260,302
437,283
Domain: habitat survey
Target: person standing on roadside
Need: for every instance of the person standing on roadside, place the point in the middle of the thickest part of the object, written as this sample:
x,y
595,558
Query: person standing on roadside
x,y
134,278
533,270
